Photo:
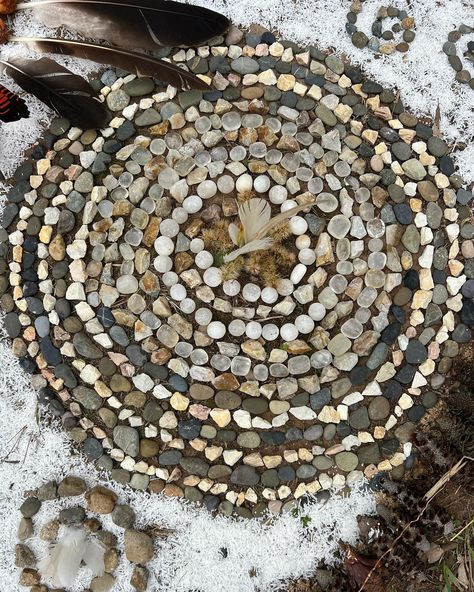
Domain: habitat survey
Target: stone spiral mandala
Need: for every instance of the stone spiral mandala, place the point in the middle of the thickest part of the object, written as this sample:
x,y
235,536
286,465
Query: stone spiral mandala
x,y
287,370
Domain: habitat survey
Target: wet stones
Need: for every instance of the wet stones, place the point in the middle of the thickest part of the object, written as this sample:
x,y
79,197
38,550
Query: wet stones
x,y
184,374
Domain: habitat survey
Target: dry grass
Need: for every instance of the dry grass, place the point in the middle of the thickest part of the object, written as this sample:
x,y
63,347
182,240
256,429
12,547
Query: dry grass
x,y
266,265
216,238
232,270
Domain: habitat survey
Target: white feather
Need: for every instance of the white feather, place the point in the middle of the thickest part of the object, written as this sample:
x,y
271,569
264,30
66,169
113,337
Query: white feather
x,y
279,218
256,245
234,233
63,562
254,214
94,557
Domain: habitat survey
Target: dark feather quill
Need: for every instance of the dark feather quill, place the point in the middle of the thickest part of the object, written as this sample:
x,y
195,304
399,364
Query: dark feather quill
x,y
136,63
145,24
12,107
68,94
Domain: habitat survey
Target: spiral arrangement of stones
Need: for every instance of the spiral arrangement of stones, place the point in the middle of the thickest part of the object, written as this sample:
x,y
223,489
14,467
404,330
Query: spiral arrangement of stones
x,y
92,504
449,48
241,385
382,41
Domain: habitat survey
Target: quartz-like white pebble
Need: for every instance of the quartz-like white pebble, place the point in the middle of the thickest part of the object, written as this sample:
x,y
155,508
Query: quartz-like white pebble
x,y
298,273
170,278
207,189
225,184
164,245
244,183
307,256
169,228
269,295
180,215
237,327
284,287
288,332
203,316
231,287
192,204
196,245
316,311
303,241
187,305
253,330
212,277
216,330
261,184
298,225
251,292
178,292
204,259
304,324
270,332
162,263
278,194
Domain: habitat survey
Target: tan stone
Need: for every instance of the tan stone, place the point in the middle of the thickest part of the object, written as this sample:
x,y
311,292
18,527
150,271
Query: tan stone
x,y
101,500
221,417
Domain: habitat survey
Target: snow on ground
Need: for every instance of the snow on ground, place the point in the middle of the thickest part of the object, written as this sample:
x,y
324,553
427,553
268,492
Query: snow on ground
x,y
282,548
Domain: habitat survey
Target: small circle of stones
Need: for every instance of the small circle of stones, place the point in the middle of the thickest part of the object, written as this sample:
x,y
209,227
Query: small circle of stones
x,y
92,504
381,41
449,48
238,393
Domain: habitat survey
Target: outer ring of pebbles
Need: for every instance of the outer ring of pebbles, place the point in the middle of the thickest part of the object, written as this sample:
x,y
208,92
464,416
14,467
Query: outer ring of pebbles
x,y
222,433
82,507
449,48
361,40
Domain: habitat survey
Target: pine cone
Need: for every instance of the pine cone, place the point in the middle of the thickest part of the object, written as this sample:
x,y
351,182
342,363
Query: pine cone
x,y
4,32
461,401
361,571
7,6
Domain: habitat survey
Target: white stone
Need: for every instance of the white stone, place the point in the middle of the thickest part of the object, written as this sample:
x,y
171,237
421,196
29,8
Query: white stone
x,y
192,204
278,194
288,332
303,413
317,311
204,259
270,332
196,245
212,276
75,291
269,295
298,225
304,324
261,183
164,245
163,263
253,330
143,382
299,271
216,330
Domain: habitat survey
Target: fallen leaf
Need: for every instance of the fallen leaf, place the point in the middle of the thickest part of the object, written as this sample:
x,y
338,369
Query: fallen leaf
x,y
462,574
434,554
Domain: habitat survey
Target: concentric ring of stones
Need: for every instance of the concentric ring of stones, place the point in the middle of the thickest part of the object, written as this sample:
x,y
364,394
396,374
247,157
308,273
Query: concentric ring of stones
x,y
382,41
297,368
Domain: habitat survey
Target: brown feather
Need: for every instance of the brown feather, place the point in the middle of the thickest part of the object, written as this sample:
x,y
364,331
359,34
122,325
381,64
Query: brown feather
x,y
144,24
136,63
68,94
